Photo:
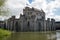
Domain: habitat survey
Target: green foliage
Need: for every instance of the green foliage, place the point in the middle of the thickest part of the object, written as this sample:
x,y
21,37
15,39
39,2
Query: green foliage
x,y
4,33
1,2
4,11
3,8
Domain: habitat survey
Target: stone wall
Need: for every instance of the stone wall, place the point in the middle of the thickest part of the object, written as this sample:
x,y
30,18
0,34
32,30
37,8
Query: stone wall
x,y
53,25
2,24
57,25
32,19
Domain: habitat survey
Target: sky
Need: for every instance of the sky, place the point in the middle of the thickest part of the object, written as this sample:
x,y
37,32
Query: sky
x,y
50,7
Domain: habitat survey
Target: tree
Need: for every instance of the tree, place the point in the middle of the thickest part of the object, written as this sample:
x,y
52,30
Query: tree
x,y
2,2
3,8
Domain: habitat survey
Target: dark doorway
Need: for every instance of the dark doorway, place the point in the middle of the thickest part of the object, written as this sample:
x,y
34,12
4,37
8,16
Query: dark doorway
x,y
17,28
39,24
5,26
28,25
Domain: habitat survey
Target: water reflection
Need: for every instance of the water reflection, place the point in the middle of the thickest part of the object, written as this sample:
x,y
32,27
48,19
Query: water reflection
x,y
33,36
58,35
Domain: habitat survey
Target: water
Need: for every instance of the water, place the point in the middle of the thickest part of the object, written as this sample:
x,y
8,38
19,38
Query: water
x,y
35,36
58,35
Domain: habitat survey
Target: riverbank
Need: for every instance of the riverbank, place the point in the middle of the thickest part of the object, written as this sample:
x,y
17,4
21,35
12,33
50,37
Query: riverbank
x,y
4,33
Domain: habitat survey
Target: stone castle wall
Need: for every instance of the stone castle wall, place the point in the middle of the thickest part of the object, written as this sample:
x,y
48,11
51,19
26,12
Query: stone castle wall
x,y
31,20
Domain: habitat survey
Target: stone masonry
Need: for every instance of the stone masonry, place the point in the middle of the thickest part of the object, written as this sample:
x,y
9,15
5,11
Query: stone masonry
x,y
32,19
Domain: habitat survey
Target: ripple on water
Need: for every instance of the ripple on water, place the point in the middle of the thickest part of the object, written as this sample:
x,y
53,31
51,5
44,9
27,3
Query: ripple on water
x,y
58,35
33,36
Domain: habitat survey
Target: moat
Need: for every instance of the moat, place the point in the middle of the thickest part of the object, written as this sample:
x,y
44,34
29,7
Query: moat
x,y
32,25
35,36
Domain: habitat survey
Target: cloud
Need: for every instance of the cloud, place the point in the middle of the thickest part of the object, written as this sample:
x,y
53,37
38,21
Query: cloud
x,y
48,7
3,18
16,6
16,3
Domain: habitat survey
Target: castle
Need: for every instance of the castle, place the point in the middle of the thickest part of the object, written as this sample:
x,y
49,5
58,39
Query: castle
x,y
32,19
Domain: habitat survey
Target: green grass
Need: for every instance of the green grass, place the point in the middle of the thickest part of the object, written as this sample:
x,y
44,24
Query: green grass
x,y
4,33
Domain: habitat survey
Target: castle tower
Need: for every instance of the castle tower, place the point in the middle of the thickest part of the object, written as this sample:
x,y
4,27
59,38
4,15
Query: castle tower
x,y
53,26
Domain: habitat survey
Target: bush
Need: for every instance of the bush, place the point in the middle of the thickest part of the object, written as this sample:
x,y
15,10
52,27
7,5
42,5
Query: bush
x,y
4,33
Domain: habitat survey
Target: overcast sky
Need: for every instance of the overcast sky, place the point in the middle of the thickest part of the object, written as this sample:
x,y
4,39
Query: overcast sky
x,y
50,7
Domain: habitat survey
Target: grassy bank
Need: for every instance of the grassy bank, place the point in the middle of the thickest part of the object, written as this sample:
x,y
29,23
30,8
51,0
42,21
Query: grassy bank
x,y
4,33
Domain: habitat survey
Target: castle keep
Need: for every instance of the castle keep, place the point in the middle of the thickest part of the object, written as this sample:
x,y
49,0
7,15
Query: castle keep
x,y
32,19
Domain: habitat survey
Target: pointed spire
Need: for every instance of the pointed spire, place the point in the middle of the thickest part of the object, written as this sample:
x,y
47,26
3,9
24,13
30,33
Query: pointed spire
x,y
26,4
42,10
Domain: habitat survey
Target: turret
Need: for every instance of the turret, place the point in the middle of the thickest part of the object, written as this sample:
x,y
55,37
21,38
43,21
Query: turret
x,y
53,24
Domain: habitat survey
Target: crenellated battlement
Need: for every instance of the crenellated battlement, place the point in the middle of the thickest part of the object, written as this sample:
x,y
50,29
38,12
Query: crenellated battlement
x,y
32,20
